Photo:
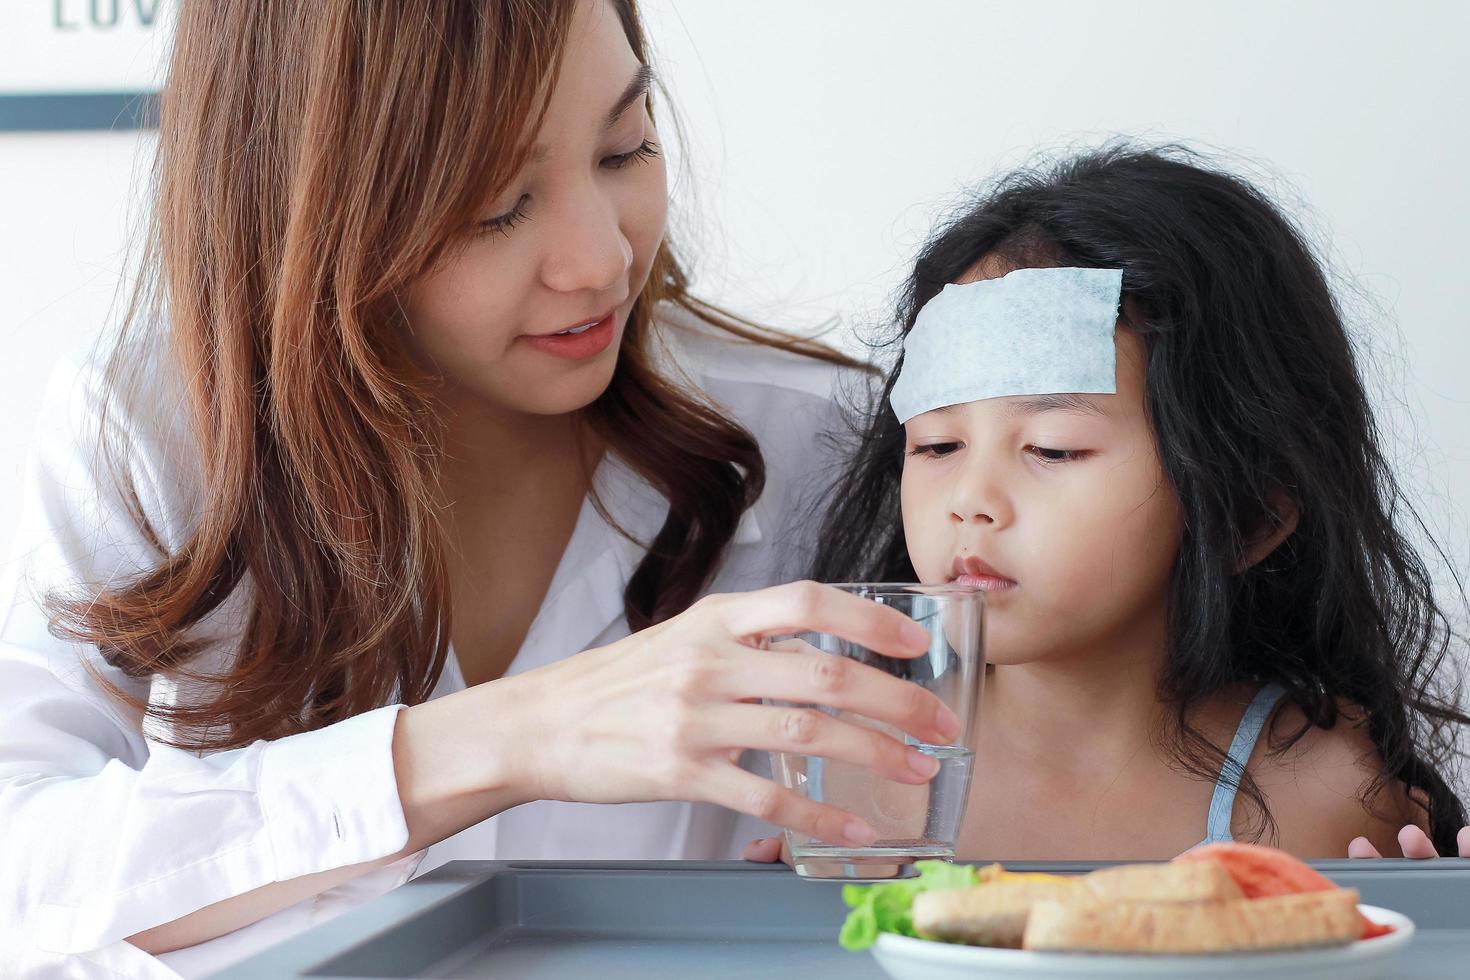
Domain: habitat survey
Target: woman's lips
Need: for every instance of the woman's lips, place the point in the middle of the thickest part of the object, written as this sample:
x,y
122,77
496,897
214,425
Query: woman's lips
x,y
589,342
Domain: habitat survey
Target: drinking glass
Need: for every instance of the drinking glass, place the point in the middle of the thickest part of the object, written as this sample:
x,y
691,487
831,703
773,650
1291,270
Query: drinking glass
x,y
913,823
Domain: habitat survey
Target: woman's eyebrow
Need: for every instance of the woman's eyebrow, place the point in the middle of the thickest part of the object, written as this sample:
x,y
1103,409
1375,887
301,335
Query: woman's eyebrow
x,y
637,89
1057,403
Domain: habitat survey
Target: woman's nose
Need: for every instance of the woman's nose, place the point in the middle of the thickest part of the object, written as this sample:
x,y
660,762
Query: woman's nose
x,y
591,253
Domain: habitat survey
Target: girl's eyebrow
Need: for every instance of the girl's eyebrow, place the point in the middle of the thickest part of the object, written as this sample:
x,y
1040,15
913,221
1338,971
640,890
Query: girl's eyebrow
x,y
637,89
1057,403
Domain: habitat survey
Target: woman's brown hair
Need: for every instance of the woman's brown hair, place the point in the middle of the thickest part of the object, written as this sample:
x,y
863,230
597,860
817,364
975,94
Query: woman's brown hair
x,y
314,159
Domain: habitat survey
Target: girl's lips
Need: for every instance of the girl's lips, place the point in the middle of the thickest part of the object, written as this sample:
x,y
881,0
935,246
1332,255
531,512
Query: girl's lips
x,y
970,570
577,346
985,583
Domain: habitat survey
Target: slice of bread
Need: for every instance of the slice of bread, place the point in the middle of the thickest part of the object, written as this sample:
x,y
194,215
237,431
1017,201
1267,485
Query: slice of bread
x,y
1277,922
1201,882
993,914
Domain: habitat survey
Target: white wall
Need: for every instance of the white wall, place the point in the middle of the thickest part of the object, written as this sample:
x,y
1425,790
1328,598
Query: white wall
x,y
825,134
66,199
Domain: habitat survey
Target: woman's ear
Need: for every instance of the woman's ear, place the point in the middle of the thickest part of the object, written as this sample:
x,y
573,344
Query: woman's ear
x,y
1276,526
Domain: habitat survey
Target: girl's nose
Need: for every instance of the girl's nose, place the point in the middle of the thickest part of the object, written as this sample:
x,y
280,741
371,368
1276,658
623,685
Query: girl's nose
x,y
978,498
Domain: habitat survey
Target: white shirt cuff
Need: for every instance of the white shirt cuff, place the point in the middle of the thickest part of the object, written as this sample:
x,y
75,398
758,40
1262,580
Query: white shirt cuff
x,y
329,798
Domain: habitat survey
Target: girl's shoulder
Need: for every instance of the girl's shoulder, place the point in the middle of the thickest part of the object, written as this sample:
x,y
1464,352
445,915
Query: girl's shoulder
x,y
1321,784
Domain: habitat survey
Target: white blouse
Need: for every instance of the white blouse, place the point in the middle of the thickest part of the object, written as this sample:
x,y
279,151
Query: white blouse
x,y
105,832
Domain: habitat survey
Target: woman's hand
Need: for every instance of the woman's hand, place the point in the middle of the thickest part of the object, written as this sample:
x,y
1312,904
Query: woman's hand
x,y
1414,843
767,850
665,713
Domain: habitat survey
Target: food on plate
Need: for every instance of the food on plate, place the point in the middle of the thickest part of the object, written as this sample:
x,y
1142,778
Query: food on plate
x,y
1260,871
996,914
1264,871
1219,898
1199,882
989,915
1281,921
888,907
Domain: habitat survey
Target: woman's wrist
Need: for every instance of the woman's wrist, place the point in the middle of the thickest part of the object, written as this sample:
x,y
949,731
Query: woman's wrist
x,y
459,760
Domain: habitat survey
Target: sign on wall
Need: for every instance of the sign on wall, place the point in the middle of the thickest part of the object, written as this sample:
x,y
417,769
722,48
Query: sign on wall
x,y
82,64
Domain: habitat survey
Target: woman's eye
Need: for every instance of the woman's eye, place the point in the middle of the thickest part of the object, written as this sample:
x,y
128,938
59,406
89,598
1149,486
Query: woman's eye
x,y
646,150
1056,455
505,222
937,450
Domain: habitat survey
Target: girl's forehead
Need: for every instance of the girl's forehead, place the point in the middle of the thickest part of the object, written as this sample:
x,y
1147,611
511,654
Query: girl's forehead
x,y
1020,408
1029,332
1119,406
991,265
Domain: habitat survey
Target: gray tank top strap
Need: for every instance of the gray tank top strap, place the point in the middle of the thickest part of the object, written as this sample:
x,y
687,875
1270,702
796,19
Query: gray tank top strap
x,y
1222,803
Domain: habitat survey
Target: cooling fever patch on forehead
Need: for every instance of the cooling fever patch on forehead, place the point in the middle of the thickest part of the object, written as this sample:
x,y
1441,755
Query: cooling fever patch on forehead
x,y
1031,332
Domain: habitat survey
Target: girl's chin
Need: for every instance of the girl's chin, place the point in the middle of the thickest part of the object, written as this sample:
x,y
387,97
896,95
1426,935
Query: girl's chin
x,y
996,660
1004,655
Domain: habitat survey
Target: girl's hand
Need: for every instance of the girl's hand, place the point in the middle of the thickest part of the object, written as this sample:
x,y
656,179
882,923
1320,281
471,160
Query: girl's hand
x,y
665,713
1414,843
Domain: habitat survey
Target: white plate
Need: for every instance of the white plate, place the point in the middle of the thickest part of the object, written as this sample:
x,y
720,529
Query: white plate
x,y
1367,959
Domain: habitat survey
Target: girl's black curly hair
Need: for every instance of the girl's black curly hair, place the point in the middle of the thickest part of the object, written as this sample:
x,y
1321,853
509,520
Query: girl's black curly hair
x,y
1255,400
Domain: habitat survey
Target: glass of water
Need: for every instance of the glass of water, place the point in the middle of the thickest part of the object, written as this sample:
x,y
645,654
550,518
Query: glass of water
x,y
913,823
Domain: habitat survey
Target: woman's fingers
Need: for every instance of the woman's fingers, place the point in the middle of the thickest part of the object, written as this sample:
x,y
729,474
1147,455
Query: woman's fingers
x,y
806,607
1362,847
792,644
768,850
836,682
763,850
1416,844
738,790
1463,840
807,731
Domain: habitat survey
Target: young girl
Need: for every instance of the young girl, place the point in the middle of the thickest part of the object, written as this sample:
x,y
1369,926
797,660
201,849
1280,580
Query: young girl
x,y
1203,621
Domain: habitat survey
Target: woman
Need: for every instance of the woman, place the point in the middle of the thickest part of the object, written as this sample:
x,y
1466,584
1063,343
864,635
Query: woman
x,y
430,421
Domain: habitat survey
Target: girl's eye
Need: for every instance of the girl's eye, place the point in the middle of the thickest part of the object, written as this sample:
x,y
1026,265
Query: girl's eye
x,y
1056,455
937,450
505,222
646,150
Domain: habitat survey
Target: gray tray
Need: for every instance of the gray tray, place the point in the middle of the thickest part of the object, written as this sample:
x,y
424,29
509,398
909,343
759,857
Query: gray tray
x,y
676,919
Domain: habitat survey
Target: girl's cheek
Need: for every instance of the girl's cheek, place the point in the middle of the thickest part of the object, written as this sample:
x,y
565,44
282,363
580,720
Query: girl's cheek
x,y
1073,538
924,537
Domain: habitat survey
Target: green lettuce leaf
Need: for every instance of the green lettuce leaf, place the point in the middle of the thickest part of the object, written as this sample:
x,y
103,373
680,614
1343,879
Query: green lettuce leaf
x,y
888,907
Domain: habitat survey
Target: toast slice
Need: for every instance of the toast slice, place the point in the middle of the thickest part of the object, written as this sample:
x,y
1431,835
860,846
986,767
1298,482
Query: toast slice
x,y
1200,882
1278,922
993,914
